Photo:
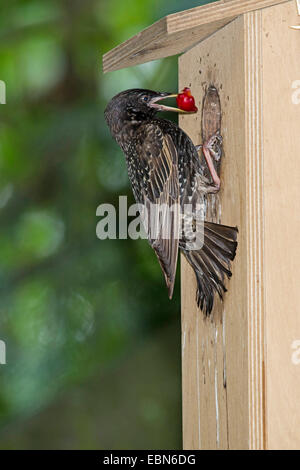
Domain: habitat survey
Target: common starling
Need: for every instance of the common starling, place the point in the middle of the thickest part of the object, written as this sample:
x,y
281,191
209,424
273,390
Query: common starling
x,y
164,169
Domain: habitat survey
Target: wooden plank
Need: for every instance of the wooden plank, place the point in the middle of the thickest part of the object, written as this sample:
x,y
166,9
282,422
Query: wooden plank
x,y
253,339
177,32
281,111
254,230
215,350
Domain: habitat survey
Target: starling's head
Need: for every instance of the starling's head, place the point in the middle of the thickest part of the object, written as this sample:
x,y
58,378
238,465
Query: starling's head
x,y
135,106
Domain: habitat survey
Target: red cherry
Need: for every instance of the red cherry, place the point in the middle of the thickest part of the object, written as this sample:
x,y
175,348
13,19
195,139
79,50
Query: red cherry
x,y
186,101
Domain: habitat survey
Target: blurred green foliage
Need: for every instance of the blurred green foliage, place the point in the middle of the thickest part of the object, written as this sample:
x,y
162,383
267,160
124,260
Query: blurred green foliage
x,y
72,308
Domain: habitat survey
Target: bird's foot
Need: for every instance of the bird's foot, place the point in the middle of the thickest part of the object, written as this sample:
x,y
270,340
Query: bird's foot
x,y
214,145
212,149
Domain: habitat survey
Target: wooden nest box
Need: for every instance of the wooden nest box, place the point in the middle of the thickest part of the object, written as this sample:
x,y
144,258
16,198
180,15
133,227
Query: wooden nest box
x,y
241,366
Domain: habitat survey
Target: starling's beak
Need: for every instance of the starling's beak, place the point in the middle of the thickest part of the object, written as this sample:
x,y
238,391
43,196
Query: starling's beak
x,y
162,107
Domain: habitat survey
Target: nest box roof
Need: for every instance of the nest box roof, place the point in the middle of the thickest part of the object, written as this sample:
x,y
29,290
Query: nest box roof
x,y
178,32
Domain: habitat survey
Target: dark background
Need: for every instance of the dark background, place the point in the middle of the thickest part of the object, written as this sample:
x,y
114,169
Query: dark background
x,y
93,343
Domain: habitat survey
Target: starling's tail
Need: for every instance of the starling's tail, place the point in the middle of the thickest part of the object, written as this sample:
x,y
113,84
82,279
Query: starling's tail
x,y
212,262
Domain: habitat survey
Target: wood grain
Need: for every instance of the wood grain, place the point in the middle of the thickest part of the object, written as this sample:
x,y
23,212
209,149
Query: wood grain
x,y
241,368
255,235
215,350
281,119
179,31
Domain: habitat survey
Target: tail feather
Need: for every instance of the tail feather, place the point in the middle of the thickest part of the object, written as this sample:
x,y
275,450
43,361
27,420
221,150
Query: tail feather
x,y
222,231
213,260
222,240
212,263
224,256
210,277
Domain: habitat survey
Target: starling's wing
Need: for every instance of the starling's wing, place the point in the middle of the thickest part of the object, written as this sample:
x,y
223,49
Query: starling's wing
x,y
159,195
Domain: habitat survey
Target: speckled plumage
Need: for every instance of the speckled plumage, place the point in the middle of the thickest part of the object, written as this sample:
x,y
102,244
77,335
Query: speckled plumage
x,y
164,168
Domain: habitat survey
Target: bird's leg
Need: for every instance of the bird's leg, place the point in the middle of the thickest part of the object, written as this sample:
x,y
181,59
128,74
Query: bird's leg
x,y
212,149
211,167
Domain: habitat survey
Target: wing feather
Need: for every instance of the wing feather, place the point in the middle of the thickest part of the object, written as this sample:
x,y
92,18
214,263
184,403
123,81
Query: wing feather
x,y
159,195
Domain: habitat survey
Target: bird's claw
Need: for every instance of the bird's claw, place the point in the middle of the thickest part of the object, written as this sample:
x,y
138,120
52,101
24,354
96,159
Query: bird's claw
x,y
214,145
212,149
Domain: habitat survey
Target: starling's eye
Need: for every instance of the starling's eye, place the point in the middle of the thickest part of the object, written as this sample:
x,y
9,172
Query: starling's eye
x,y
145,98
